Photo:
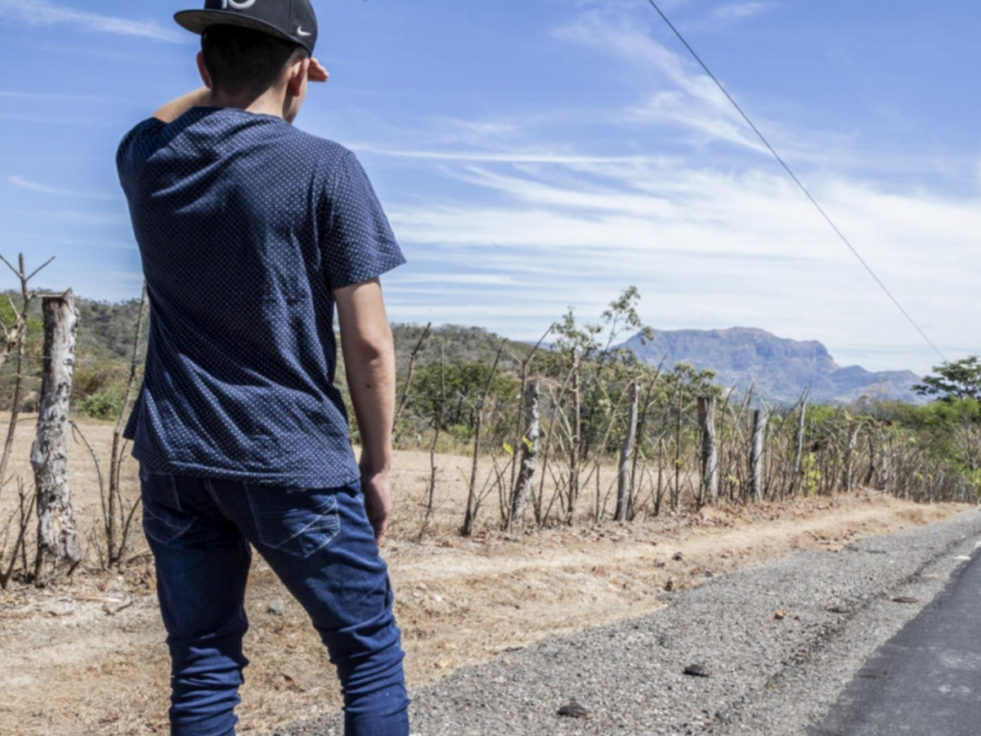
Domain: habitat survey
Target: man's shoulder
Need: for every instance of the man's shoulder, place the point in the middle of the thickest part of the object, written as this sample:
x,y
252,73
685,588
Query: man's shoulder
x,y
325,148
149,128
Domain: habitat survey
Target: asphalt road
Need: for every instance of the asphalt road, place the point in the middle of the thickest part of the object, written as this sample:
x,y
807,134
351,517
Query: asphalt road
x,y
877,638
926,680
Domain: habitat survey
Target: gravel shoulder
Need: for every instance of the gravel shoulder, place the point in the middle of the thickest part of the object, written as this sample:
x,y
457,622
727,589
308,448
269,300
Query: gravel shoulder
x,y
780,641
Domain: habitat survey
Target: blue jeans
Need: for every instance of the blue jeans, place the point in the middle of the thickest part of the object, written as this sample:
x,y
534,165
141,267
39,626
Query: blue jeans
x,y
320,544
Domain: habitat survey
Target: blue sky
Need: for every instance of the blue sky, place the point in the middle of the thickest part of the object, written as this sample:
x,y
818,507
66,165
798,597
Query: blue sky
x,y
539,154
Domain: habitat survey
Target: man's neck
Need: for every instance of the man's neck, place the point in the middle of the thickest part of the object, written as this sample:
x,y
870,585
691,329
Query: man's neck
x,y
271,102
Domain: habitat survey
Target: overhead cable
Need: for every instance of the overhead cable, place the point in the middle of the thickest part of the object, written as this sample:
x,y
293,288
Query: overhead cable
x,y
799,183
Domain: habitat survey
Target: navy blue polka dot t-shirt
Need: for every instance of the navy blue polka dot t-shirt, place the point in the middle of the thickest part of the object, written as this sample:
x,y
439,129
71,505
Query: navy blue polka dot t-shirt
x,y
245,226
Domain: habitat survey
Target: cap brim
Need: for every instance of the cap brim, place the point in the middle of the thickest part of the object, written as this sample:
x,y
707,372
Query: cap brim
x,y
198,21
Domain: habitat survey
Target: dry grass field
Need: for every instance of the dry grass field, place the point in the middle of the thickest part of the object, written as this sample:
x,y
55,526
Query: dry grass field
x,y
87,656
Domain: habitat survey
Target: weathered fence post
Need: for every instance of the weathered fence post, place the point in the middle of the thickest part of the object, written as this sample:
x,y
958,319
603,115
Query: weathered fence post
x,y
709,486
884,466
756,455
575,442
626,452
529,455
676,490
847,474
57,539
799,452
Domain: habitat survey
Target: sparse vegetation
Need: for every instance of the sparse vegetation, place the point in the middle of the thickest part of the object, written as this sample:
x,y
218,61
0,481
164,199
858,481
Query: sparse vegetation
x,y
599,453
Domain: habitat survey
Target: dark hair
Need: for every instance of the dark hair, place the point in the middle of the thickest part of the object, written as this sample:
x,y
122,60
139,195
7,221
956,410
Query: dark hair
x,y
241,60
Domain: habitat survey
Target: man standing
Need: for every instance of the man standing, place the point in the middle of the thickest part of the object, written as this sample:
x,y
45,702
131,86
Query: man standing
x,y
250,231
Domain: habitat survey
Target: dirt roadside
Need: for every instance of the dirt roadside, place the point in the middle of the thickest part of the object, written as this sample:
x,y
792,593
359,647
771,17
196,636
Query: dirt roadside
x,y
88,657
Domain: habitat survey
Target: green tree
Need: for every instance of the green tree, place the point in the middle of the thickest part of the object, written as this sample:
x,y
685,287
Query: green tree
x,y
464,382
960,379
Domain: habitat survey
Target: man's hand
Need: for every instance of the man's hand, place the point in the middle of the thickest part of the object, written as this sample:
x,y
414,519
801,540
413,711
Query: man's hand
x,y
317,73
377,501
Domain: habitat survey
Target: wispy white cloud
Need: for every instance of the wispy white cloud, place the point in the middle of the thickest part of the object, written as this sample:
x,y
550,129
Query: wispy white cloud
x,y
529,155
72,120
21,95
45,13
687,100
738,11
23,182
75,217
461,279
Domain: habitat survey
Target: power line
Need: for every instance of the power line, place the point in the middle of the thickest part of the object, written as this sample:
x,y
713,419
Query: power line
x,y
798,182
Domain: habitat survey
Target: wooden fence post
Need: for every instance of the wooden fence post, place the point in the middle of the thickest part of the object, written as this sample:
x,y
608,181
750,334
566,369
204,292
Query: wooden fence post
x,y
676,490
710,472
847,475
756,455
575,442
529,455
795,482
626,453
58,551
884,471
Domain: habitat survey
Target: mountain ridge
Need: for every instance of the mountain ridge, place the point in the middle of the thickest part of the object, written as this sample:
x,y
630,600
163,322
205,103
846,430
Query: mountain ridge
x,y
778,369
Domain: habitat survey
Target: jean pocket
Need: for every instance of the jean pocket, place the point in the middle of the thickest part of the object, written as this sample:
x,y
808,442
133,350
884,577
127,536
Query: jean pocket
x,y
296,522
163,519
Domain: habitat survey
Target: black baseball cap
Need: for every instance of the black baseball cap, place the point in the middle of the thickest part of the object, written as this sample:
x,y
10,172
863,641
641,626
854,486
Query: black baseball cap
x,y
292,20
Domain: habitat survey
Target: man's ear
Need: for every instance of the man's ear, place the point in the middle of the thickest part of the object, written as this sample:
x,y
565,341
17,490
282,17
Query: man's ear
x,y
298,76
203,70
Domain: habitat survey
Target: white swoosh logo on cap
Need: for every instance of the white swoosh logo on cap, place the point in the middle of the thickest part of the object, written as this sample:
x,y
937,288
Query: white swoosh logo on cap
x,y
301,32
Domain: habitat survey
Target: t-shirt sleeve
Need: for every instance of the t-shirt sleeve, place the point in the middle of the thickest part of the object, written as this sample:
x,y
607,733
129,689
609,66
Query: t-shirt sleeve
x,y
358,244
134,149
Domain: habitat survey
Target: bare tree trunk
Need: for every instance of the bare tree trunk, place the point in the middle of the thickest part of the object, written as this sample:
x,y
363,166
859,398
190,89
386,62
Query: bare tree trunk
x,y
626,453
799,453
12,336
403,400
638,446
885,476
529,456
437,425
870,472
8,443
847,474
756,455
574,445
118,520
470,517
16,337
57,539
710,473
660,476
676,491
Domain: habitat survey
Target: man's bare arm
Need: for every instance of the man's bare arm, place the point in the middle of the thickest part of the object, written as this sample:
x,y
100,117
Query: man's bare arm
x,y
369,360
202,97
175,108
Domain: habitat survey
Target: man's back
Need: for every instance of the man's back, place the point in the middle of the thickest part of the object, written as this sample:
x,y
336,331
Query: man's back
x,y
246,226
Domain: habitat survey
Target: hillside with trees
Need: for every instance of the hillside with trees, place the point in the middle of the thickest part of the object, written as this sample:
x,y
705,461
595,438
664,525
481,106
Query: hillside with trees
x,y
541,422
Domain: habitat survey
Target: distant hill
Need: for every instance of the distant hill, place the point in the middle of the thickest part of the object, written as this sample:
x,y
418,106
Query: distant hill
x,y
779,369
